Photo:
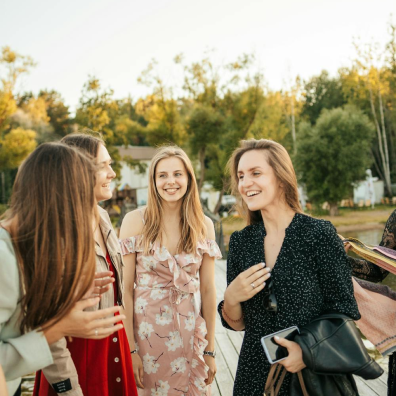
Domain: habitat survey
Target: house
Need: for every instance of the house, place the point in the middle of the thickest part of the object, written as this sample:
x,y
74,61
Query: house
x,y
130,179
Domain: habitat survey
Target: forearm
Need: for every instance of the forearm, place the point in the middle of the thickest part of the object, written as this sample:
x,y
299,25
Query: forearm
x,y
232,313
209,314
128,322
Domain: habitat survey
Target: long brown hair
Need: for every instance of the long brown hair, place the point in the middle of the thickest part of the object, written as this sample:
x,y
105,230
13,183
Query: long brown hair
x,y
52,208
192,219
85,141
279,160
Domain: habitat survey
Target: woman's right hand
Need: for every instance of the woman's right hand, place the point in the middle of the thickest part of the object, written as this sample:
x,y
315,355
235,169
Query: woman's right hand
x,y
86,324
247,284
137,370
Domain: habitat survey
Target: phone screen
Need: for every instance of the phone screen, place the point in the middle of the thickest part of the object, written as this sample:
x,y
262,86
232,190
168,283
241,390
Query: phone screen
x,y
274,351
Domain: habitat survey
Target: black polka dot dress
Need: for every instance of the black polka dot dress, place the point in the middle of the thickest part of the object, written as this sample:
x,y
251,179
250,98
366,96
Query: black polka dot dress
x,y
311,276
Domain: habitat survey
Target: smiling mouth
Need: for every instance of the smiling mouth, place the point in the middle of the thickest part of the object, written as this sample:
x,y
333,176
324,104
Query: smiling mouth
x,y
106,185
171,190
252,193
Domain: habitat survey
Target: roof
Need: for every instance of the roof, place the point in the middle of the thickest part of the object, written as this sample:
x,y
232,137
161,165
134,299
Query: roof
x,y
137,152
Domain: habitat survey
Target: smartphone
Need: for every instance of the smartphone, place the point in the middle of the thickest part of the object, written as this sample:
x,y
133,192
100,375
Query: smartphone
x,y
275,352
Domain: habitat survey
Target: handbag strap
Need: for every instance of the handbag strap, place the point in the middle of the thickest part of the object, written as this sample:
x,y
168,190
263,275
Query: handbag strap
x,y
276,376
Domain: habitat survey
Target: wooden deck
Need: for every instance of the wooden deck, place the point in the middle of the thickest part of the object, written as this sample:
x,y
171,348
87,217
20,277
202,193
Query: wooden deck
x,y
228,345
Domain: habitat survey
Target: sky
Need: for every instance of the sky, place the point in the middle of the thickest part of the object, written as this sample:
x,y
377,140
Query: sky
x,y
115,40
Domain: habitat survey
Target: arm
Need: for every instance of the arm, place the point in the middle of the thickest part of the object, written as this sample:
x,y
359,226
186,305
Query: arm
x,y
366,270
208,296
240,287
131,226
334,272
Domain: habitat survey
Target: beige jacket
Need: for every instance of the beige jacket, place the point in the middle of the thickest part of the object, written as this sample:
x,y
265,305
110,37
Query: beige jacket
x,y
63,369
20,354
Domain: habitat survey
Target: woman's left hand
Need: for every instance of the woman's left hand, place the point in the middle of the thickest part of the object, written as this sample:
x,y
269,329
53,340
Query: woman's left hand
x,y
294,362
101,284
211,362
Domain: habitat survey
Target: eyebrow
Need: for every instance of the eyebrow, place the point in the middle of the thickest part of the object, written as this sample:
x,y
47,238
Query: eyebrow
x,y
108,160
173,171
251,169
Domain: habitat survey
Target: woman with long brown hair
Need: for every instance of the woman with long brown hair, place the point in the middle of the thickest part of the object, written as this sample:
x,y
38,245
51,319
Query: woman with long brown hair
x,y
47,261
284,269
169,253
95,368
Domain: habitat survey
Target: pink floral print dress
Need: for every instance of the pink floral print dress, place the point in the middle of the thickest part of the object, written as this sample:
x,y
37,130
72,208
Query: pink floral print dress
x,y
168,326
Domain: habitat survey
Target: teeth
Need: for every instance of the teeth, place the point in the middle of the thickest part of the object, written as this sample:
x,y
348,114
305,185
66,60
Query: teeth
x,y
171,190
251,193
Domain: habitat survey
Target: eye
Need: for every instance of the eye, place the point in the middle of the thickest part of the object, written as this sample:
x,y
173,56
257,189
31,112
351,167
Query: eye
x,y
161,175
256,173
178,174
240,177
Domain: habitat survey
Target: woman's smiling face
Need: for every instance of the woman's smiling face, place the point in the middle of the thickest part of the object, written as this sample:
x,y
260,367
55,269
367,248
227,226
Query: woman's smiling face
x,y
171,179
257,182
104,175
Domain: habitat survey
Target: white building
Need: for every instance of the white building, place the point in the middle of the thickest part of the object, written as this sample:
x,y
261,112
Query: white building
x,y
130,177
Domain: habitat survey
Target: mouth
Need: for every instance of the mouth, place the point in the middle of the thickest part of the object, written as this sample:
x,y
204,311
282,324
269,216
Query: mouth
x,y
252,193
171,190
107,185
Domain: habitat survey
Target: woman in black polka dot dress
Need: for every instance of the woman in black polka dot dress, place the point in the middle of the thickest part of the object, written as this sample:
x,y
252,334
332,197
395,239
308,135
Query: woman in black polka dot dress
x,y
282,253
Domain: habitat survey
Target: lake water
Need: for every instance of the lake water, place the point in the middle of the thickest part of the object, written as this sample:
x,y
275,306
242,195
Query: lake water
x,y
372,237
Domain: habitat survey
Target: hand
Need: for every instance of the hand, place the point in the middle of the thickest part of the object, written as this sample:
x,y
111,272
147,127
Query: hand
x,y
294,362
247,284
211,363
101,284
347,245
78,323
137,370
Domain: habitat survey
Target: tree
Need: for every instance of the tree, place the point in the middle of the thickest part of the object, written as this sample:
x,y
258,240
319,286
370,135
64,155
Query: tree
x,y
334,154
204,128
321,92
14,148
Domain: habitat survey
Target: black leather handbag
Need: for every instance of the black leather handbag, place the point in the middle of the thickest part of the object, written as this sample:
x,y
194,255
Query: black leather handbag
x,y
333,352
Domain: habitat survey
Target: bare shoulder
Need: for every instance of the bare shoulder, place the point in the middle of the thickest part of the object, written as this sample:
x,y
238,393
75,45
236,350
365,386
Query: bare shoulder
x,y
210,232
132,224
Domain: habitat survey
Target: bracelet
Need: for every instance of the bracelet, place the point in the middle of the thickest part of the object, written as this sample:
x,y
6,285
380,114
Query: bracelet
x,y
227,317
134,351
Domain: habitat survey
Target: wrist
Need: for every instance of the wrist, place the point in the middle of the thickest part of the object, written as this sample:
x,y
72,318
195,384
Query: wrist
x,y
53,334
229,301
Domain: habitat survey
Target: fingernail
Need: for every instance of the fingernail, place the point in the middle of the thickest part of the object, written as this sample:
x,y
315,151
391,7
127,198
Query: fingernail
x,y
277,338
269,274
263,265
264,283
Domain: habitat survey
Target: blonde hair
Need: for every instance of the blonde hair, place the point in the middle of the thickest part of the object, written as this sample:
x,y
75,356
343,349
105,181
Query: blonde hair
x,y
192,219
279,160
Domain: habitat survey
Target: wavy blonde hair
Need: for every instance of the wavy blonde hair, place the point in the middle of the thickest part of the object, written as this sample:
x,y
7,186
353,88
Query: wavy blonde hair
x,y
279,160
192,219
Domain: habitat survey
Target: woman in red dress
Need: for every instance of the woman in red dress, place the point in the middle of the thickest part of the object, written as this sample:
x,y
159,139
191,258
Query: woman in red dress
x,y
94,367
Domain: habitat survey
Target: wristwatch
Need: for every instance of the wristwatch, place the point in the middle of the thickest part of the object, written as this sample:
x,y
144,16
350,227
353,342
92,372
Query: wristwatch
x,y
209,353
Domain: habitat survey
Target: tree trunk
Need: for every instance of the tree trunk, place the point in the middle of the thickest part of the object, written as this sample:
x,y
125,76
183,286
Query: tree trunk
x,y
333,209
3,192
218,205
201,156
293,126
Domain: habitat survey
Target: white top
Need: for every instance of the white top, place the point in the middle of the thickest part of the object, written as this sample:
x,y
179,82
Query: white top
x,y
20,354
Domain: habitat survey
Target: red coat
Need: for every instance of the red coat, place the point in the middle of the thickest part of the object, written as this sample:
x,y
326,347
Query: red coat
x,y
104,366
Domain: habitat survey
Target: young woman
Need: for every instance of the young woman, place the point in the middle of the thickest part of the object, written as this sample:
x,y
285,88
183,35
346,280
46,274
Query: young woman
x,y
169,254
282,253
47,261
95,368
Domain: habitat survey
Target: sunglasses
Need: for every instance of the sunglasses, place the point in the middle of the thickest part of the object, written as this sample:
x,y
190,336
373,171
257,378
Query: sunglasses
x,y
270,303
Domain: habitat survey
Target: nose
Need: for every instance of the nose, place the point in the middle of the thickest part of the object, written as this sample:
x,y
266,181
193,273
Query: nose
x,y
246,181
111,174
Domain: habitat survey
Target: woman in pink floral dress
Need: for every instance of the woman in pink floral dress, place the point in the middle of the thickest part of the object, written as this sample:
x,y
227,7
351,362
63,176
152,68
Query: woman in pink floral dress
x,y
169,252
